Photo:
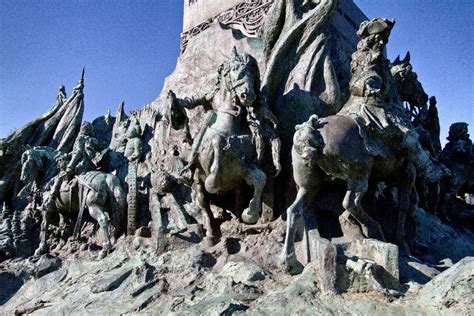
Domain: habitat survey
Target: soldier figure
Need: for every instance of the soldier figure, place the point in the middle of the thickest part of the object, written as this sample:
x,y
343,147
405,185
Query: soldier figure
x,y
133,149
133,152
85,151
458,155
375,102
50,196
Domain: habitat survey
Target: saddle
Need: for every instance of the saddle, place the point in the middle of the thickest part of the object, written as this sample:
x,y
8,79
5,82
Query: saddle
x,y
379,136
377,141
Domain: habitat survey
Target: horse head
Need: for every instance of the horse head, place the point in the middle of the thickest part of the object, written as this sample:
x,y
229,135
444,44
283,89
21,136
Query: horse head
x,y
307,141
29,166
409,88
241,77
38,162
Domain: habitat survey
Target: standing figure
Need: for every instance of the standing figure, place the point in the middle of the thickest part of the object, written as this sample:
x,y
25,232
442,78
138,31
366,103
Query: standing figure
x,y
133,152
458,155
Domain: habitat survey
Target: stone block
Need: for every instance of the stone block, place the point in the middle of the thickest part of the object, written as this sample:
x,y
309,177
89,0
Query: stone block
x,y
381,253
323,253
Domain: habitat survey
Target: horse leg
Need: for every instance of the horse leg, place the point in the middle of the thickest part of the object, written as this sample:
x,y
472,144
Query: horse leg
x,y
213,181
213,232
62,221
294,214
257,179
406,186
98,214
43,248
353,204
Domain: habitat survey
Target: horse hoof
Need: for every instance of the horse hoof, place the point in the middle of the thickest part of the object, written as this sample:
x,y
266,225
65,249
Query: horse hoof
x,y
40,251
350,229
249,218
212,184
102,254
290,264
210,241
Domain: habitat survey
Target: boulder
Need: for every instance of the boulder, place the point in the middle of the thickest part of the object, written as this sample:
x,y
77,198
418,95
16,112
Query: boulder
x,y
47,264
242,272
453,288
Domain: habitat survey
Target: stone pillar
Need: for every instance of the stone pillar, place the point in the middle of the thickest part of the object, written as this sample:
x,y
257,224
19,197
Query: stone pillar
x,y
132,198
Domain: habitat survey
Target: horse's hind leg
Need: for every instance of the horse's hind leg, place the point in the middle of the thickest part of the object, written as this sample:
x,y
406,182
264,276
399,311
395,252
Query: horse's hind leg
x,y
294,216
257,179
353,204
213,232
98,214
213,180
43,248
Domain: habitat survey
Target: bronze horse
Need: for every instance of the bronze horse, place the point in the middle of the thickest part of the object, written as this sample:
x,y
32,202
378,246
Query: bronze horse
x,y
100,192
225,153
334,146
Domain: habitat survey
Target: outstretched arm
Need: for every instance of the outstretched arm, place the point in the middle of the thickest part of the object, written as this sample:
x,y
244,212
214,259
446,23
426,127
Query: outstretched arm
x,y
190,102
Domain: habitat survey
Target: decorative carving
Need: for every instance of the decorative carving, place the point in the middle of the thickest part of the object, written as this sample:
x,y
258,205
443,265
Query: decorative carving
x,y
246,17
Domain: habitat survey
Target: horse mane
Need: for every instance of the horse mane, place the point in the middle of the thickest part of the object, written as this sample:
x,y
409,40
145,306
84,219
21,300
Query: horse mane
x,y
240,60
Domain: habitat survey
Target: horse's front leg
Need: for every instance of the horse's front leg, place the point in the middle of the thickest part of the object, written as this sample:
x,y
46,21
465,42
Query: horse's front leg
x,y
213,181
213,232
294,212
97,212
43,248
256,178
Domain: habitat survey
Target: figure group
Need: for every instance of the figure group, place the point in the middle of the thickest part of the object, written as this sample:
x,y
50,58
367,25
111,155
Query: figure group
x,y
370,137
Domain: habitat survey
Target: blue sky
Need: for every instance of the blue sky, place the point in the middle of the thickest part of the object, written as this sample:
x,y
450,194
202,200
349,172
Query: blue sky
x,y
129,46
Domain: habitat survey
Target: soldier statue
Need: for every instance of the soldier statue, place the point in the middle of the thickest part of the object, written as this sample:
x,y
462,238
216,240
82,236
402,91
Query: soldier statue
x,y
85,152
375,101
83,158
458,155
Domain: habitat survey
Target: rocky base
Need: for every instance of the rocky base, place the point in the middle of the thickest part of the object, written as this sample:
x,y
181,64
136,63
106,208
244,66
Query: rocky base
x,y
241,275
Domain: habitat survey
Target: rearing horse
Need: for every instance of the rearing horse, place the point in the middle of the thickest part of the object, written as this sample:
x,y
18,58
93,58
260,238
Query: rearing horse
x,y
100,192
334,146
223,151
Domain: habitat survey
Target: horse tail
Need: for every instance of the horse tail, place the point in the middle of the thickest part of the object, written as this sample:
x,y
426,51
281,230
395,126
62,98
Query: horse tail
x,y
118,205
